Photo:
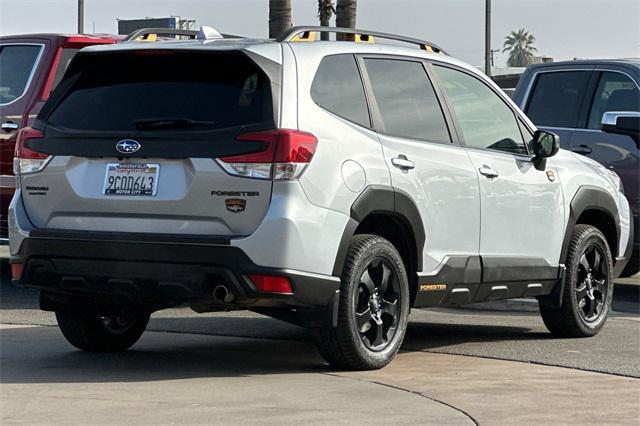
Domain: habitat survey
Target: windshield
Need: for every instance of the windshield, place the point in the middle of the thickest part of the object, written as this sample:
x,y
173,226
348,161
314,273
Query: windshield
x,y
163,90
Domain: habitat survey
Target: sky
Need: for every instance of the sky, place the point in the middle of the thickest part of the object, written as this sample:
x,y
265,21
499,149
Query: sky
x,y
564,29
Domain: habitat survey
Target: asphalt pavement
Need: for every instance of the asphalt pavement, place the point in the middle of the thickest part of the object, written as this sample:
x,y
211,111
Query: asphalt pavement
x,y
464,366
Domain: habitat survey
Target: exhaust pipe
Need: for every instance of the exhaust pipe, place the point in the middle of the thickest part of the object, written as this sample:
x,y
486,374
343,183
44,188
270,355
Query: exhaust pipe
x,y
221,294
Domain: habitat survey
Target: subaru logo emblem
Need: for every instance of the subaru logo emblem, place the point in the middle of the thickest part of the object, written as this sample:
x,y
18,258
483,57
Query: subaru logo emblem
x,y
127,146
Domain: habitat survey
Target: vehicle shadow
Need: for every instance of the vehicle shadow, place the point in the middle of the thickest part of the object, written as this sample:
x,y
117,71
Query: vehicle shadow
x,y
41,355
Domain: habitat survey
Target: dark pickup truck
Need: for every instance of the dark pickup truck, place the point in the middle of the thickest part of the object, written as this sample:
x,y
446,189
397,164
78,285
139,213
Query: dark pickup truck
x,y
594,106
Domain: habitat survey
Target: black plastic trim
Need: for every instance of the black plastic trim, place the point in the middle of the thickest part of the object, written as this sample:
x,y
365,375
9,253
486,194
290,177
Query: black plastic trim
x,y
382,199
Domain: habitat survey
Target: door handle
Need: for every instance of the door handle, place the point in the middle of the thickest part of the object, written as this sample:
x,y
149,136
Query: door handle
x,y
9,126
488,172
403,163
582,149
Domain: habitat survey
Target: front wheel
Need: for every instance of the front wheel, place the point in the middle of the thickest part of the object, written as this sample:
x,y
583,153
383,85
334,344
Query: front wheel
x,y
588,288
93,332
373,308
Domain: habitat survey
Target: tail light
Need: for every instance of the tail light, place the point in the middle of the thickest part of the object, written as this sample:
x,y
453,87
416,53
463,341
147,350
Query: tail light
x,y
285,155
27,160
16,271
271,284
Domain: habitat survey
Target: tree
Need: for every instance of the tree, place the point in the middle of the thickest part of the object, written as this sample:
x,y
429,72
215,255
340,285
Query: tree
x,y
279,17
326,9
519,44
346,15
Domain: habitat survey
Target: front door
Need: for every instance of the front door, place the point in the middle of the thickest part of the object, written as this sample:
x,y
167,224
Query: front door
x,y
522,212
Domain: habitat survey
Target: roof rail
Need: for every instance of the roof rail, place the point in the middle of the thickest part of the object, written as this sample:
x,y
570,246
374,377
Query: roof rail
x,y
307,33
152,34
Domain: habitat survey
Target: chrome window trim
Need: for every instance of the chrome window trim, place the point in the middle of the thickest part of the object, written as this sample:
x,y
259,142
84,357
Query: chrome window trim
x,y
36,64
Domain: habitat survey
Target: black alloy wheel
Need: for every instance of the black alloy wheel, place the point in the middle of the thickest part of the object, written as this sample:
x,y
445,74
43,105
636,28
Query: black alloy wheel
x,y
377,308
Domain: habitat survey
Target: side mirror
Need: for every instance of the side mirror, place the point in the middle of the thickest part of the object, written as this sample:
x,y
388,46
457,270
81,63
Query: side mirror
x,y
545,145
622,123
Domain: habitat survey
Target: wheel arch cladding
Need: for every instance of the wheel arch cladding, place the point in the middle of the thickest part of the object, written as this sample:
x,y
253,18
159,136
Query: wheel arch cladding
x,y
593,206
379,204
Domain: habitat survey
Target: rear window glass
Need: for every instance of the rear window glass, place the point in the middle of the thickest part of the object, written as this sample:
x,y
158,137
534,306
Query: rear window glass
x,y
16,66
337,87
557,97
65,57
134,90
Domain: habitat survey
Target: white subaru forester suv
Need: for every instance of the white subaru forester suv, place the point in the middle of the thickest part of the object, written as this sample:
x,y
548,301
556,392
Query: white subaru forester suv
x,y
332,184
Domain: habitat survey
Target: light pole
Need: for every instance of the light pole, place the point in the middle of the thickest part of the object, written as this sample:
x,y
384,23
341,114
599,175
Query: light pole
x,y
487,38
80,16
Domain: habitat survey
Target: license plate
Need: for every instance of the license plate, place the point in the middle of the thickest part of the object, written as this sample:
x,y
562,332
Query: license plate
x,y
136,179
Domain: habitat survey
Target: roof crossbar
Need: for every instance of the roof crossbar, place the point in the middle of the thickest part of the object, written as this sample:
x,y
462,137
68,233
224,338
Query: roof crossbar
x,y
306,33
152,34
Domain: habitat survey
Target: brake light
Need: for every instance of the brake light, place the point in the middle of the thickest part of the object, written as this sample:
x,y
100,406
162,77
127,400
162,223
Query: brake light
x,y
271,284
285,155
27,160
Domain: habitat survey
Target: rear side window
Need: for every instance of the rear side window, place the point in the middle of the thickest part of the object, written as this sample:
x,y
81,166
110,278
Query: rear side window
x,y
407,100
156,90
337,87
556,98
17,63
65,57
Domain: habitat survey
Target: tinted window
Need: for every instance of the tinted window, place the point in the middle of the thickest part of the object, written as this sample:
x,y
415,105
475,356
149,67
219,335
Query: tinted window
x,y
406,99
65,57
484,119
556,98
615,92
16,64
119,91
337,87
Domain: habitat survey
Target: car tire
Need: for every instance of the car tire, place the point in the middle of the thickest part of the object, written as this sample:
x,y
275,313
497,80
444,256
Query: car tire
x,y
588,287
94,333
373,307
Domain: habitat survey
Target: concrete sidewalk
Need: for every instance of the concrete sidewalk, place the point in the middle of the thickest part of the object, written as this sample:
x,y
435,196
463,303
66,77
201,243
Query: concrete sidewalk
x,y
187,378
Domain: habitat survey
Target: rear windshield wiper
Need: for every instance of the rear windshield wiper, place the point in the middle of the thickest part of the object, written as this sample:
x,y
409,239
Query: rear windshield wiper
x,y
171,123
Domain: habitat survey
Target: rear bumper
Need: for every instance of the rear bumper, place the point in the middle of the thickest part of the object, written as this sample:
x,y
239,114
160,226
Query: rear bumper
x,y
157,270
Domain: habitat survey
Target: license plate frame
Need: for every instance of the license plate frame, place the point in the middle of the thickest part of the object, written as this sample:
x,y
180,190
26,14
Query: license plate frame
x,y
131,179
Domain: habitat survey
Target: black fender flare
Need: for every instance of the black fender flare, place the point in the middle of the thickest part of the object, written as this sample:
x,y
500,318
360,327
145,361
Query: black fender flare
x,y
586,198
382,199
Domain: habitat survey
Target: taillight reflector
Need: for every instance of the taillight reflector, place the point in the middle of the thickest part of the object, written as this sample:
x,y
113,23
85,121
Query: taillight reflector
x,y
27,160
271,284
285,155
16,271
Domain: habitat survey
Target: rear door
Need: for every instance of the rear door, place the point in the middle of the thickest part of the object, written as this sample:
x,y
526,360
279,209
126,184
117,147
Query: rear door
x,y
134,137
424,163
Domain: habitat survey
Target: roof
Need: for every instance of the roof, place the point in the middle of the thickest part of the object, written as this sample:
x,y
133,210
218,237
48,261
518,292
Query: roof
x,y
618,61
88,37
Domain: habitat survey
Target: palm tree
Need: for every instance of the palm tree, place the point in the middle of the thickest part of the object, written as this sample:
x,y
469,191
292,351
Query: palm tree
x,y
279,17
519,44
346,15
326,9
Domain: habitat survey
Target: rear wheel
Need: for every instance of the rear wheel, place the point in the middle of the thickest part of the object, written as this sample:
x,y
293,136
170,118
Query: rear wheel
x,y
588,288
93,332
373,307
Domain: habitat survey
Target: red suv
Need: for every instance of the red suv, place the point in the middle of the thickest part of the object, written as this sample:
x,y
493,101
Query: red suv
x,y
30,67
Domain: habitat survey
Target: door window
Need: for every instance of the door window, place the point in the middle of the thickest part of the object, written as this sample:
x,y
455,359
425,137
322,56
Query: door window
x,y
615,92
337,87
407,101
556,98
16,66
484,119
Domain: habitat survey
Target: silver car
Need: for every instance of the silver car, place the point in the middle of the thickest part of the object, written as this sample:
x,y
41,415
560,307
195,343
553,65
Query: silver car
x,y
331,184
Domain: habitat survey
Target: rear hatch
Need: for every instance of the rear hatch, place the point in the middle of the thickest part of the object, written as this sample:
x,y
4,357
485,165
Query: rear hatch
x,y
133,138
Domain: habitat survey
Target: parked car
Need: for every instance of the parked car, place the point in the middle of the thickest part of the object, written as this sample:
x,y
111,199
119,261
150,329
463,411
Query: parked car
x,y
594,106
334,185
31,65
